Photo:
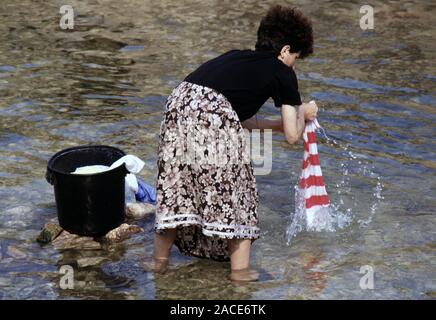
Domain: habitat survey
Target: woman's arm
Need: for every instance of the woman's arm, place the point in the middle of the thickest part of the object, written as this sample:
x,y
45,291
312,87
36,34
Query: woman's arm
x,y
293,122
294,119
256,122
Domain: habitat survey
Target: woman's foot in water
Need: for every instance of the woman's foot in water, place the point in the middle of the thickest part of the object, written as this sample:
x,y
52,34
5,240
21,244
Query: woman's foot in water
x,y
156,265
162,247
244,275
239,251
160,265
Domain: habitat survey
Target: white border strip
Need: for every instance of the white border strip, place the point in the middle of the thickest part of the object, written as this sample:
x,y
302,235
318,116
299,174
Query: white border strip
x,y
241,231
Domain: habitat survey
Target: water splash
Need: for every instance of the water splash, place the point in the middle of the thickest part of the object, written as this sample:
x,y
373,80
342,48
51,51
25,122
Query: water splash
x,y
374,206
343,210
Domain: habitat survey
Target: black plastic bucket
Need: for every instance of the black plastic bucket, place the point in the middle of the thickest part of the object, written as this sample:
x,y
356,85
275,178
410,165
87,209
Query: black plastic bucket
x,y
88,204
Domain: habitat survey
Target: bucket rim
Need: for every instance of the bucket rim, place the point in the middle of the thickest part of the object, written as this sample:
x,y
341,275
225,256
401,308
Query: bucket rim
x,y
64,151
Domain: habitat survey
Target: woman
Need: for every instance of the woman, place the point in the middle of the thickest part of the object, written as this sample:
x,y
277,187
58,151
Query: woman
x,y
208,206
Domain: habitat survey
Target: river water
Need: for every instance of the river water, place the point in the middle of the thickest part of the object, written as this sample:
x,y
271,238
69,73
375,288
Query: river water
x,y
106,82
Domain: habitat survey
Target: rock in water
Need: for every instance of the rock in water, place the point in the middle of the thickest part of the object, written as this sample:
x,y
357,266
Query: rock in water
x,y
49,233
138,211
121,233
89,262
62,239
15,253
68,240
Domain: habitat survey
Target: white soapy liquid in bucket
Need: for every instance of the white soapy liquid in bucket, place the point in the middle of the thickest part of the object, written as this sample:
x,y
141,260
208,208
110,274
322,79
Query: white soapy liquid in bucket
x,y
340,213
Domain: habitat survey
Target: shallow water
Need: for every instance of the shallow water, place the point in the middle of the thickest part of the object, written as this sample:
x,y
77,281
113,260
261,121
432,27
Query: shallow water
x,y
107,81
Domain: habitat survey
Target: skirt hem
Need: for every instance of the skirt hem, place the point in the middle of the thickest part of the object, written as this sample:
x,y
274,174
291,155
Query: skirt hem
x,y
214,230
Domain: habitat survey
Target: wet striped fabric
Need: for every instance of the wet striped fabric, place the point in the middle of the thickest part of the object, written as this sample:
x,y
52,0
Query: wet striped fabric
x,y
311,185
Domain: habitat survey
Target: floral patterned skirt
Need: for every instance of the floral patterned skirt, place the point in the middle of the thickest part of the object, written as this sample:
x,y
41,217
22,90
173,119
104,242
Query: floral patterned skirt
x,y
206,187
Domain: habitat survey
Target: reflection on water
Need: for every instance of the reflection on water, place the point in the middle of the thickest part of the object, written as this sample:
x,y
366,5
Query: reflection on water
x,y
107,82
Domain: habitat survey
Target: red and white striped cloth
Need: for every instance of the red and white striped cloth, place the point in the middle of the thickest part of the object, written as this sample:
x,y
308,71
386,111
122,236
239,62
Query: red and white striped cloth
x,y
311,187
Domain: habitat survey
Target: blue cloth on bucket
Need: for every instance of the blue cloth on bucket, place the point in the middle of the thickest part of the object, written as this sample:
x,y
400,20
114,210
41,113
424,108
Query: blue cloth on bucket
x,y
146,193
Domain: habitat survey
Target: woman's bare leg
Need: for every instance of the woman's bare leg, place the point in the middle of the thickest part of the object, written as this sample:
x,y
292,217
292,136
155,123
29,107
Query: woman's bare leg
x,y
239,250
162,248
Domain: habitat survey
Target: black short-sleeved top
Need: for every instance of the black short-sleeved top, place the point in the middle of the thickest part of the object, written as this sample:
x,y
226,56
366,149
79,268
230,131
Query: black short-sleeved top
x,y
247,79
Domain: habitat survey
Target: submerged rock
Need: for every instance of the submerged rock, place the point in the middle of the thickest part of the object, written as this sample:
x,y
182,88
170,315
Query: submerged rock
x,y
95,43
138,210
53,233
15,253
121,233
88,262
62,239
49,232
5,282
68,240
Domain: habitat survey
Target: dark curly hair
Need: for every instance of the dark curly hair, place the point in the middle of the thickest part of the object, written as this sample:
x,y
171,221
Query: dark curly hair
x,y
285,26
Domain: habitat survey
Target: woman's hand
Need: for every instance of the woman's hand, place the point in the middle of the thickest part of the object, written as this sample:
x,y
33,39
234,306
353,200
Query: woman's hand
x,y
309,110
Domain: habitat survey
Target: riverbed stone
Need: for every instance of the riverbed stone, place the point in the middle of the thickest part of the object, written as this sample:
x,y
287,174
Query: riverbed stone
x,y
62,239
16,253
89,262
137,211
5,282
68,240
121,233
50,231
